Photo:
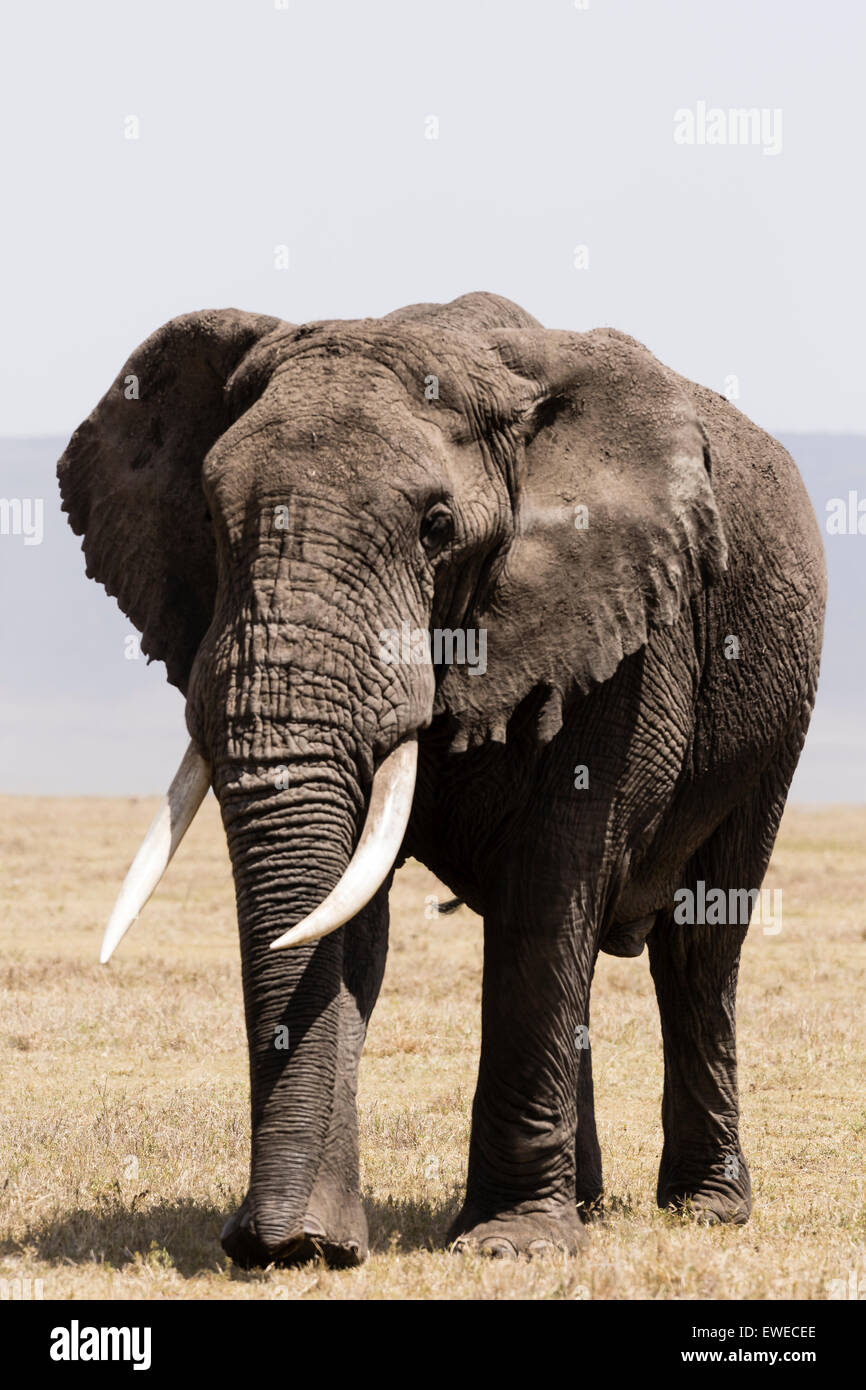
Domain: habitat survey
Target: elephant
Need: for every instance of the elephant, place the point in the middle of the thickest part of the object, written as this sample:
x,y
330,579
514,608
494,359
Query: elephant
x,y
641,570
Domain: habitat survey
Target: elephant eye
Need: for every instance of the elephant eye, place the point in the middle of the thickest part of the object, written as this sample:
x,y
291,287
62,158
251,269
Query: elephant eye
x,y
437,529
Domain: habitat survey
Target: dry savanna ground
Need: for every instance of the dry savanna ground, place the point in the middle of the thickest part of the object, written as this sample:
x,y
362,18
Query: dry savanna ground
x,y
124,1089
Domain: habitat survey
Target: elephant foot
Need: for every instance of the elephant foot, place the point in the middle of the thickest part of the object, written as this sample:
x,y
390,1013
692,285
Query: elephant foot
x,y
721,1196
341,1246
518,1233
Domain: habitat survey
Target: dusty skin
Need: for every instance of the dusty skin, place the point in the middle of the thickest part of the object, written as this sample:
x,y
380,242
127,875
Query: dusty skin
x,y
125,1134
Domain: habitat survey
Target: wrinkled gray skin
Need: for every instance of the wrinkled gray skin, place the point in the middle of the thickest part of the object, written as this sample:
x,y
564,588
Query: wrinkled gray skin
x,y
606,648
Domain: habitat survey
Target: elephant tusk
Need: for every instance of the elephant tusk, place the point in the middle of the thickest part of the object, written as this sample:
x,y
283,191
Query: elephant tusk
x,y
168,828
384,828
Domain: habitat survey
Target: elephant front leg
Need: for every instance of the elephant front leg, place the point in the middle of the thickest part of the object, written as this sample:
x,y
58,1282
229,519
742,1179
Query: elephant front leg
x,y
334,1209
521,1186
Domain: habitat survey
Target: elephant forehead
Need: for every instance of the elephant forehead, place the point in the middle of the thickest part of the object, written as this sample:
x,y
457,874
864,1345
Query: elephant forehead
x,y
361,451
336,385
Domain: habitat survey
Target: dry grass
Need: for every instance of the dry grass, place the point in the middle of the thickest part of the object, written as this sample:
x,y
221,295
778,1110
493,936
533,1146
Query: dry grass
x,y
124,1110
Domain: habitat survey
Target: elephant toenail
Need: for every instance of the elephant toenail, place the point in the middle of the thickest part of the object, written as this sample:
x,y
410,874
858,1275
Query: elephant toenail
x,y
498,1248
540,1247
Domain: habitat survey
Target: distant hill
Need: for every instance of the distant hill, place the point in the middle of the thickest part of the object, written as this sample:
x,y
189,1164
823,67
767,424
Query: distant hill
x,y
77,717
833,766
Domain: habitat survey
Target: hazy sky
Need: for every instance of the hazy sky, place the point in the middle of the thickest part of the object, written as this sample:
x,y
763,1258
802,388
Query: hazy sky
x,y
306,127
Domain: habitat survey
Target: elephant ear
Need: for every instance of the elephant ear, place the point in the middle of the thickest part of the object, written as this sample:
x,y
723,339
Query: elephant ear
x,y
131,474
615,526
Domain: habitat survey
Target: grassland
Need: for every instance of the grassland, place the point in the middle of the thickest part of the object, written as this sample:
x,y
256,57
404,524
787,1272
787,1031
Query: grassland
x,y
124,1126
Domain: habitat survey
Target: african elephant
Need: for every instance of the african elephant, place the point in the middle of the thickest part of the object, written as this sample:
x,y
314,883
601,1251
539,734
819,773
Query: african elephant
x,y
643,571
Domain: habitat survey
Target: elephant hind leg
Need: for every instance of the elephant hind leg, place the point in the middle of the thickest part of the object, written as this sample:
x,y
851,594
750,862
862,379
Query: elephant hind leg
x,y
694,968
521,1193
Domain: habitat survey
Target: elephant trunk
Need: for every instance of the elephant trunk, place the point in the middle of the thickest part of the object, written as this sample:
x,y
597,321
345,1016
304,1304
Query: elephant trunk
x,y
289,847
294,753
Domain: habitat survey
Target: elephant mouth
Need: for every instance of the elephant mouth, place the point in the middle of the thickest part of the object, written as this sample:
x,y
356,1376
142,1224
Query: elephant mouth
x,y
387,817
388,812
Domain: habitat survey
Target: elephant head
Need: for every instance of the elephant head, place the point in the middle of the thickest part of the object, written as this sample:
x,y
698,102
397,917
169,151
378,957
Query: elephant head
x,y
266,501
